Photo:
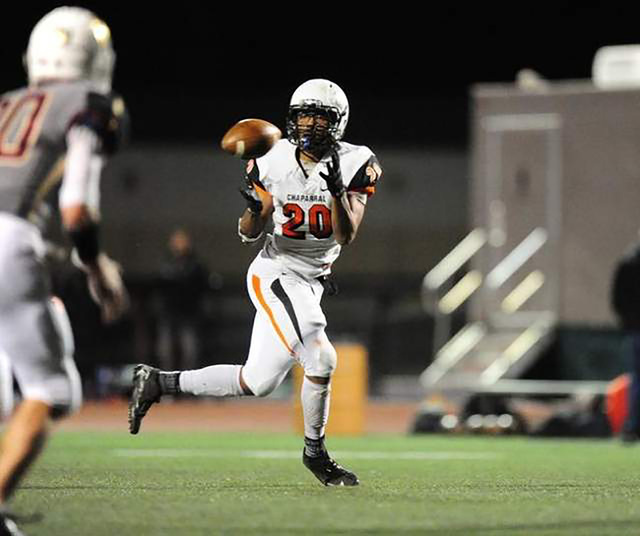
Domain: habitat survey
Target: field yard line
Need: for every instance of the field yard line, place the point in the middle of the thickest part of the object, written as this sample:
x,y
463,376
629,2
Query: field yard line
x,y
295,454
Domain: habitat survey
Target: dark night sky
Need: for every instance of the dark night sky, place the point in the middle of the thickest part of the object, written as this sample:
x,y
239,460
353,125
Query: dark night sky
x,y
189,72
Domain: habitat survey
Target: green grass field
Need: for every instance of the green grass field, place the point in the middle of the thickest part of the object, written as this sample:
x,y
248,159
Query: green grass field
x,y
103,483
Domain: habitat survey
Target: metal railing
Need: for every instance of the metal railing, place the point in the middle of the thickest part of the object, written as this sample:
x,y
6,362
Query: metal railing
x,y
441,296
516,258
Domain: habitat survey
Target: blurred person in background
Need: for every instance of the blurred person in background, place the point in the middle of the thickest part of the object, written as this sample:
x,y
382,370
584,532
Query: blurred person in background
x,y
184,281
625,297
56,132
314,188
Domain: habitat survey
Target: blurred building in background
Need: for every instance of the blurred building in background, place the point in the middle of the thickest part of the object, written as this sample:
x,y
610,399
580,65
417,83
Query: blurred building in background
x,y
553,200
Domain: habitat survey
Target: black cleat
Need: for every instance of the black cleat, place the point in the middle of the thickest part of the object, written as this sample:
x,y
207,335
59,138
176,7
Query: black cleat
x,y
146,391
327,471
8,526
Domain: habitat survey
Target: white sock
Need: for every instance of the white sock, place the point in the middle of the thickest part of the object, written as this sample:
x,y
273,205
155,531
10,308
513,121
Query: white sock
x,y
217,380
315,400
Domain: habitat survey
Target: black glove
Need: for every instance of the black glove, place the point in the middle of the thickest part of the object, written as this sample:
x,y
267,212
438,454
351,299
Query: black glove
x,y
333,176
330,287
248,191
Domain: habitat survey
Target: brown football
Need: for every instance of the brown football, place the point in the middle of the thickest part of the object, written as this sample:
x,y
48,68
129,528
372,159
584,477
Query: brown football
x,y
250,138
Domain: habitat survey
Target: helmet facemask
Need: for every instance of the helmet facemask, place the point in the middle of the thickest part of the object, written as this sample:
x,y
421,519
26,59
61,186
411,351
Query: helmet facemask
x,y
313,127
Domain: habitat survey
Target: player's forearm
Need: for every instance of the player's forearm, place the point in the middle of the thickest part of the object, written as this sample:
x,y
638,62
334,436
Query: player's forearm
x,y
76,216
251,224
345,220
254,218
82,229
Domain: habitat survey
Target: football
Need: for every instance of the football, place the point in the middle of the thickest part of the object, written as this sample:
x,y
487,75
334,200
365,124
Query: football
x,y
250,138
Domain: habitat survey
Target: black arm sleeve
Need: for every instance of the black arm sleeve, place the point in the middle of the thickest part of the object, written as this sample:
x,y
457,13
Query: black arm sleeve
x,y
85,239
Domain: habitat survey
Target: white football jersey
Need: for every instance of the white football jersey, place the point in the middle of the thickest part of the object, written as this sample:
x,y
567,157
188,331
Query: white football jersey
x,y
302,232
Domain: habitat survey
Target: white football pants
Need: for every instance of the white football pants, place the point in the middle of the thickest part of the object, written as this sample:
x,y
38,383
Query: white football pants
x,y
289,327
34,330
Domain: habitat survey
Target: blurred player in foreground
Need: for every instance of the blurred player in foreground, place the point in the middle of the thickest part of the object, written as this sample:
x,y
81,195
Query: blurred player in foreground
x,y
315,189
55,132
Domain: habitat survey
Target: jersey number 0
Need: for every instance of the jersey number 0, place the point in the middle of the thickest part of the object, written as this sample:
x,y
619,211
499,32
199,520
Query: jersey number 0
x,y
19,125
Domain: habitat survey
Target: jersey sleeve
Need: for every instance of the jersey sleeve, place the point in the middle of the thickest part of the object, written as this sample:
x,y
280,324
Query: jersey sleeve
x,y
366,177
105,115
83,166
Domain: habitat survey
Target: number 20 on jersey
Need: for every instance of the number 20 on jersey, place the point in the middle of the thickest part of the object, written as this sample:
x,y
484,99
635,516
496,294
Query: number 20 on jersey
x,y
319,219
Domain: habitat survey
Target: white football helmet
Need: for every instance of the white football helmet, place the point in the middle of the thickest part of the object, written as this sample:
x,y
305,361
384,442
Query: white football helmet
x,y
318,97
70,43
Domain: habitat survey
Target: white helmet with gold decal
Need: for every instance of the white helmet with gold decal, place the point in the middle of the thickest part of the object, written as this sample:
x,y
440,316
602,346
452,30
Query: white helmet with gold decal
x,y
70,43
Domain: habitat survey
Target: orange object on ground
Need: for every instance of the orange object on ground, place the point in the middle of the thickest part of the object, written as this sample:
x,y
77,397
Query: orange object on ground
x,y
617,404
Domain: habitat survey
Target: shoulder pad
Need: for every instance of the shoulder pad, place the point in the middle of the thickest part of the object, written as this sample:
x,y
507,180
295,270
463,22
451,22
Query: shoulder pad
x,y
106,115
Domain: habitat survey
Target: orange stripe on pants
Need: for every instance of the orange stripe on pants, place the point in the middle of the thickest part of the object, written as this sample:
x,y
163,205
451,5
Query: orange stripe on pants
x,y
255,281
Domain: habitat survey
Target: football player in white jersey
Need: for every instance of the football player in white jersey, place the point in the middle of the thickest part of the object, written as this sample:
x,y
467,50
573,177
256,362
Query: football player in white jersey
x,y
56,132
314,188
